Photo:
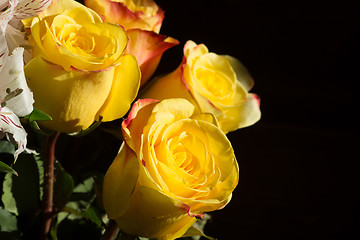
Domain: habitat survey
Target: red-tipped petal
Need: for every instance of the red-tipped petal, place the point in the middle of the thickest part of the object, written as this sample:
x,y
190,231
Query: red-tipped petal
x,y
187,209
148,48
119,13
135,109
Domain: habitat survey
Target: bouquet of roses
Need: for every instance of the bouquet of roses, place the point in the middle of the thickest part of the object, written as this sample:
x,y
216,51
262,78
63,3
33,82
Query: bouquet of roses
x,y
92,142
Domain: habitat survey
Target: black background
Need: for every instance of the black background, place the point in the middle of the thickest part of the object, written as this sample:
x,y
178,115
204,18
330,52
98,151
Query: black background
x,y
299,165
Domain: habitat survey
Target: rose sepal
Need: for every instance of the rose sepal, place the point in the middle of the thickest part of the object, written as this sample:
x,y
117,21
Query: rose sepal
x,y
35,116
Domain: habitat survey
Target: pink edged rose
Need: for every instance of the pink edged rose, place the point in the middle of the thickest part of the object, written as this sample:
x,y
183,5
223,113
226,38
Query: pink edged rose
x,y
216,84
173,166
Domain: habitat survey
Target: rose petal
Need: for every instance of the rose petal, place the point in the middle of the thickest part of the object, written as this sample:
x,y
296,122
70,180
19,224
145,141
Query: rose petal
x,y
178,107
175,88
193,51
60,6
139,104
72,98
155,221
242,116
119,182
133,125
58,52
148,47
241,72
118,13
123,91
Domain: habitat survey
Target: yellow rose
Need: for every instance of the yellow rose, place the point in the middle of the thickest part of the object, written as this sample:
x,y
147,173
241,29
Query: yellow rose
x,y
216,84
142,21
173,166
79,72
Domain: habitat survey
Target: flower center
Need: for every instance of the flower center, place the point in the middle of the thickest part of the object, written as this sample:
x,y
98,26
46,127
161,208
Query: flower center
x,y
214,82
73,36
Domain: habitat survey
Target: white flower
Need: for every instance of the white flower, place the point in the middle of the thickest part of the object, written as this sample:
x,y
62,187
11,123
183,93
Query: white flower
x,y
11,14
10,124
12,78
14,92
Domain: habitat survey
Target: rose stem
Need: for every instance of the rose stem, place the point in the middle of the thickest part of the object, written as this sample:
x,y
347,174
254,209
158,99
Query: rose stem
x,y
111,231
48,187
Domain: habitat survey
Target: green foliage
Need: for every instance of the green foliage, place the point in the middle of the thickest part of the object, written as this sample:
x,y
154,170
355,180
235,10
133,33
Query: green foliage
x,y
195,232
77,213
93,216
21,197
35,116
6,148
63,186
38,115
8,222
7,197
5,168
21,193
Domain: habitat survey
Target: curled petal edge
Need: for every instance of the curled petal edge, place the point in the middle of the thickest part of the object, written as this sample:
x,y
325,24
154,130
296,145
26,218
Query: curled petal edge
x,y
10,124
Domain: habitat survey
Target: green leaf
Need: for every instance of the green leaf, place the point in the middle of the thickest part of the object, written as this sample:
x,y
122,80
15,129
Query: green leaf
x,y
38,115
7,197
61,216
21,193
193,231
83,195
92,216
53,231
5,168
8,222
63,186
80,206
40,166
200,223
6,147
196,231
86,186
35,126
89,214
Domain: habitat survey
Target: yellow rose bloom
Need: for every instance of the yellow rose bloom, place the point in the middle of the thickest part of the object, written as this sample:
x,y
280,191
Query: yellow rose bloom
x,y
77,38
79,72
142,21
173,166
216,84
